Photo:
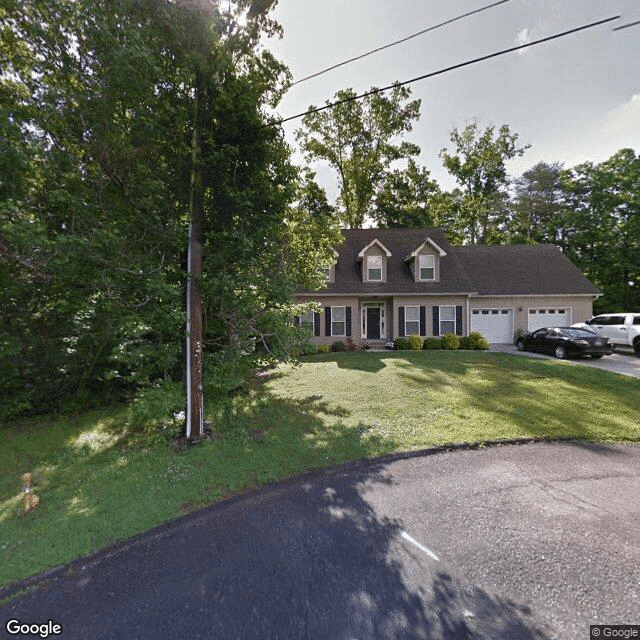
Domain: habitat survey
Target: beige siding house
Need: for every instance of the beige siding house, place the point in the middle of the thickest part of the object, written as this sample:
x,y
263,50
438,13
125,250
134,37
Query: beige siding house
x,y
387,283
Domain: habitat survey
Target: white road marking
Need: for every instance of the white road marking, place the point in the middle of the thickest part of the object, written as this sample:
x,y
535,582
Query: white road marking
x,y
406,536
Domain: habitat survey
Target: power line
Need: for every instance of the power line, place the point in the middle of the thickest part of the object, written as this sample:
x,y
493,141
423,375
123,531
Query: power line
x,y
445,70
624,26
393,44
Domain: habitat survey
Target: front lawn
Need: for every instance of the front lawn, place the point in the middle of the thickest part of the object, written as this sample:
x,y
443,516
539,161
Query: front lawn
x,y
98,483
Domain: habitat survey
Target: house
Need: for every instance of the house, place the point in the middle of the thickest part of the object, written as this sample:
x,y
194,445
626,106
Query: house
x,y
387,283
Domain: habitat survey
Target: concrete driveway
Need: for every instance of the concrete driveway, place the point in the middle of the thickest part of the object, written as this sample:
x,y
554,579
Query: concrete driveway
x,y
622,361
528,542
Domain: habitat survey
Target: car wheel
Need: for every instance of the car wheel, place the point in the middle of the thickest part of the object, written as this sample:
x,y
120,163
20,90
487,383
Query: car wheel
x,y
636,348
560,352
597,356
520,345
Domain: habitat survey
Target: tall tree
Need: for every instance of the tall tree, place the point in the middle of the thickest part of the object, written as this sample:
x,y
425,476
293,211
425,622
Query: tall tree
x,y
478,163
538,205
358,138
405,198
602,227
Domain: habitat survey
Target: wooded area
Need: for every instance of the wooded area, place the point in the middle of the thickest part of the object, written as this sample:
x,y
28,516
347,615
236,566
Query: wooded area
x,y
118,118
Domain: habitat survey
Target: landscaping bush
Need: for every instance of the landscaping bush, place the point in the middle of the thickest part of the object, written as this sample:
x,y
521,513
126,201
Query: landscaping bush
x,y
467,343
518,334
401,344
309,349
415,343
479,341
450,341
432,344
338,345
323,348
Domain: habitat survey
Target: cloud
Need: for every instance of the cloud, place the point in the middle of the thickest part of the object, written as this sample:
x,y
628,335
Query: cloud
x,y
623,123
523,37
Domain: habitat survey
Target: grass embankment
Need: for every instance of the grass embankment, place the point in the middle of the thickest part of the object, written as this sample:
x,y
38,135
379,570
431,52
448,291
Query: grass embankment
x,y
98,482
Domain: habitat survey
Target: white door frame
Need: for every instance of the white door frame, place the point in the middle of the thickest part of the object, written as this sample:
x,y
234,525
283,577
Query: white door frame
x,y
368,305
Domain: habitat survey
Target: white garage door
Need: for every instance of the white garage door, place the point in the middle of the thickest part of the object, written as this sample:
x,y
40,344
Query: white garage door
x,y
496,325
539,318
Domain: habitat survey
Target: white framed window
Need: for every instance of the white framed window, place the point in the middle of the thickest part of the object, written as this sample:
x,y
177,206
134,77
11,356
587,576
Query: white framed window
x,y
427,266
338,321
307,319
326,271
411,321
374,268
447,320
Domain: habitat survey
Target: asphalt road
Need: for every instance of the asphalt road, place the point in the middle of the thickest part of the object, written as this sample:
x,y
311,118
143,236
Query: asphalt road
x,y
622,360
525,542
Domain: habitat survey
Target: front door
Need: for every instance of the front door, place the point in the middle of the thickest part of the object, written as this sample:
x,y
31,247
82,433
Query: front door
x,y
373,323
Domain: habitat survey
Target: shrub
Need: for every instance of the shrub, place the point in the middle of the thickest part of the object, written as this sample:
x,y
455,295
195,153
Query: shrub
x,y
431,344
479,341
467,343
323,348
518,334
351,346
338,345
450,341
309,349
401,343
416,343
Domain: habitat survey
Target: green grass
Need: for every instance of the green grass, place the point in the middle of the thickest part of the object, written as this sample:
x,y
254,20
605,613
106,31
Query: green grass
x,y
98,482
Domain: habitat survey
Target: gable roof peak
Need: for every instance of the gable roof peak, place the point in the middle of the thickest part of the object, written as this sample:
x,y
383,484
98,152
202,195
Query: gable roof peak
x,y
439,250
374,241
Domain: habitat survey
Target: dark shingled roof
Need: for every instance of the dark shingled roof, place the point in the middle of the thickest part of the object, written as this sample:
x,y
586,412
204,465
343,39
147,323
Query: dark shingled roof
x,y
522,269
486,270
400,242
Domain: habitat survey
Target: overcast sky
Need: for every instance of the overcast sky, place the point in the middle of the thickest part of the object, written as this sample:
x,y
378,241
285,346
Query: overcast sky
x,y
572,100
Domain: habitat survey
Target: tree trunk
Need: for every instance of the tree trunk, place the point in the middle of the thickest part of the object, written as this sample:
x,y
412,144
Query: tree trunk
x,y
195,400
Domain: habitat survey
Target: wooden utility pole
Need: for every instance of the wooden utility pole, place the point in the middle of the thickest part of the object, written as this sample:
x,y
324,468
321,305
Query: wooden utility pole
x,y
195,398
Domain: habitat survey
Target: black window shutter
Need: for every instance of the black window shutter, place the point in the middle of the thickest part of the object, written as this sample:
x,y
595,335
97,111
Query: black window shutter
x,y
459,321
316,323
436,321
327,321
297,321
423,321
401,321
348,321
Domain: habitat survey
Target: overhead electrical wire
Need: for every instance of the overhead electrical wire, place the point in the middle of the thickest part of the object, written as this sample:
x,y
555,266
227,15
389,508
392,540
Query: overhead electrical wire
x,y
393,44
502,52
625,26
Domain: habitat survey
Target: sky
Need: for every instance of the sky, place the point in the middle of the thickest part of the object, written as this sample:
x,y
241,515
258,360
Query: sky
x,y
573,100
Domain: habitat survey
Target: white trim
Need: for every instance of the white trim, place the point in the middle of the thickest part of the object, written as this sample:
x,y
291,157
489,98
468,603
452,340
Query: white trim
x,y
368,268
364,326
411,306
433,258
455,323
344,321
535,295
441,252
375,241
360,294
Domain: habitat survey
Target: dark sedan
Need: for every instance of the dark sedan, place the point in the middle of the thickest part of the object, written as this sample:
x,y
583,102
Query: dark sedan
x,y
563,342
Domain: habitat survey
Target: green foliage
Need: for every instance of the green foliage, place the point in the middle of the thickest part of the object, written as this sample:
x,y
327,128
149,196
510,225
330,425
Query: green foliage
x,y
466,343
479,341
401,343
432,343
450,341
359,140
478,163
416,342
518,334
338,345
323,348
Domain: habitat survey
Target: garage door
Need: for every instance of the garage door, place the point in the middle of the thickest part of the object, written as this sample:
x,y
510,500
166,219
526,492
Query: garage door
x,y
539,318
496,325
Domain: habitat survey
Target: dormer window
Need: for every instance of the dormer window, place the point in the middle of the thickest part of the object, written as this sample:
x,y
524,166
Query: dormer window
x,y
374,268
326,271
427,266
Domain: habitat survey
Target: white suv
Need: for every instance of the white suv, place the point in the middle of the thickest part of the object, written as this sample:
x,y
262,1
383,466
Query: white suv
x,y
621,328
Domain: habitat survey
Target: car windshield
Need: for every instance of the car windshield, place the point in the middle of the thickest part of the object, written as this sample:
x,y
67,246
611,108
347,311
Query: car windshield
x,y
577,334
